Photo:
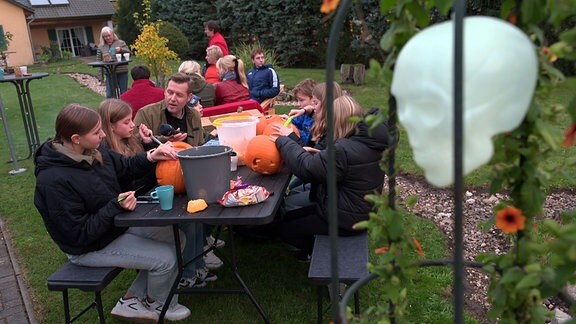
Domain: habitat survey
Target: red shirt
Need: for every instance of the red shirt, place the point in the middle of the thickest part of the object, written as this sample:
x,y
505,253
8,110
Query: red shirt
x,y
218,40
142,93
230,91
212,74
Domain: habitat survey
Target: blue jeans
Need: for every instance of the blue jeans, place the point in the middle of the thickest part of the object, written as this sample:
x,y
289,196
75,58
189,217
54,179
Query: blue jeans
x,y
195,241
148,249
122,79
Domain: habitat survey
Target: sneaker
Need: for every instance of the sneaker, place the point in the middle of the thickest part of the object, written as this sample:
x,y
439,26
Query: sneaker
x,y
194,282
175,312
219,244
205,275
212,261
132,309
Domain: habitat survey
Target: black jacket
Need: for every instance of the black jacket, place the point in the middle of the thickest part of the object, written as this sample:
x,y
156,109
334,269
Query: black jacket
x,y
78,200
358,172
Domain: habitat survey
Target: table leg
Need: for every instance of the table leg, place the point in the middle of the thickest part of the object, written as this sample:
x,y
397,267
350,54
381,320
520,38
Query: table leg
x,y
234,268
176,233
27,110
17,168
114,82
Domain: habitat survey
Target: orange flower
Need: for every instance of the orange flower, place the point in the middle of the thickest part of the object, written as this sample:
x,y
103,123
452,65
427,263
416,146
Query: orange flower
x,y
329,5
381,250
512,19
569,136
510,219
418,247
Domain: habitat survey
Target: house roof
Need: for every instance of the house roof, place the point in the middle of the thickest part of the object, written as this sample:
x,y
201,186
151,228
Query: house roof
x,y
22,4
75,9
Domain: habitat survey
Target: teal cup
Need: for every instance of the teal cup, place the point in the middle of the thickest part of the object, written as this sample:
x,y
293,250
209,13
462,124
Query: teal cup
x,y
165,195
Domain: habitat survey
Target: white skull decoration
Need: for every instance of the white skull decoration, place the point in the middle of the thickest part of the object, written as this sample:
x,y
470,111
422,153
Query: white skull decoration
x,y
500,73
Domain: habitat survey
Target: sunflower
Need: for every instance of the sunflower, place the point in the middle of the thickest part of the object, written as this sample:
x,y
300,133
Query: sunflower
x,y
510,219
329,5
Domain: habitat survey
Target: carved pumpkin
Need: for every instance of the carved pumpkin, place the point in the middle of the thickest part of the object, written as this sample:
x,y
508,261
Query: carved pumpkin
x,y
262,156
170,172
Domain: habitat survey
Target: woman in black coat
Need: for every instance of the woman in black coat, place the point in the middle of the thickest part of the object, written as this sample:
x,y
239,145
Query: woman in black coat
x,y
358,173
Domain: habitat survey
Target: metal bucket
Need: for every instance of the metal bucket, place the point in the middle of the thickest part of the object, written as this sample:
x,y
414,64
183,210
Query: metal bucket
x,y
206,171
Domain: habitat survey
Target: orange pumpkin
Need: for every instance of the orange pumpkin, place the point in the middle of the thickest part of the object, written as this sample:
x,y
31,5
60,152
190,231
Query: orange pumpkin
x,y
269,130
262,156
170,173
264,121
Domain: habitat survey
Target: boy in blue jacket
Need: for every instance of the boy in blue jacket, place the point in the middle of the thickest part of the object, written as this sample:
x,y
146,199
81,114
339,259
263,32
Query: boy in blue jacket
x,y
263,80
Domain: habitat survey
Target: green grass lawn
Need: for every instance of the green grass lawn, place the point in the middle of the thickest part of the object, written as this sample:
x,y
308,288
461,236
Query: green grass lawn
x,y
278,281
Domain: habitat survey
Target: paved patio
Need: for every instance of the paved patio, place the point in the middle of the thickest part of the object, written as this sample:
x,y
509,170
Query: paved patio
x,y
15,304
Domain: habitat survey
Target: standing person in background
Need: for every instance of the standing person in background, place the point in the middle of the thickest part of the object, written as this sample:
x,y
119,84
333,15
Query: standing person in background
x,y
200,87
263,81
143,91
233,87
111,44
212,30
210,71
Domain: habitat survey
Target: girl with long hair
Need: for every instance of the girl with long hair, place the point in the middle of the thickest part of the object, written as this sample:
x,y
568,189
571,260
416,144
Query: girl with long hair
x,y
234,85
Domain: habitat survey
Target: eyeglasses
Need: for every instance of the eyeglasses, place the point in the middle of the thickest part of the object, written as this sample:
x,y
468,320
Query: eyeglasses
x,y
194,101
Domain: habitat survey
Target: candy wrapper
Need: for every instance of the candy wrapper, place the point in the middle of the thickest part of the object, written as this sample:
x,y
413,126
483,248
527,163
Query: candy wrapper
x,y
243,195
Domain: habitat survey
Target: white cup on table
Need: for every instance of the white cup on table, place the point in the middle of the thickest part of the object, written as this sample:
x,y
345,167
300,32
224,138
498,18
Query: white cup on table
x,y
126,56
24,69
118,57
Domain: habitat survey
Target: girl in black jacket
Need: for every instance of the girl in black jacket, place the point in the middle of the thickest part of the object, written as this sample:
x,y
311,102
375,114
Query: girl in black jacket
x,y
78,195
358,173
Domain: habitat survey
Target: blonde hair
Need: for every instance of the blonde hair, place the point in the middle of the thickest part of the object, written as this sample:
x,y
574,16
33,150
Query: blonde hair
x,y
319,128
344,108
107,30
214,52
230,63
112,111
190,67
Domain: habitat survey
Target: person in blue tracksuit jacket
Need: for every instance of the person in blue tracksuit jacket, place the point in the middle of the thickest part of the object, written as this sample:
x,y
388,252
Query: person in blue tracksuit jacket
x,y
263,80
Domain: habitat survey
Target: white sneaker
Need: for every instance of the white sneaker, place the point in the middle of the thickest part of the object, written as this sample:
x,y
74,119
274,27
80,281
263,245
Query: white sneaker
x,y
219,244
194,282
131,309
205,275
175,313
212,261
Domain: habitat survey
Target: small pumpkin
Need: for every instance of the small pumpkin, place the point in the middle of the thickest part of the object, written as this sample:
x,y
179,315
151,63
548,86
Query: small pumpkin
x,y
196,205
262,156
264,121
170,173
269,130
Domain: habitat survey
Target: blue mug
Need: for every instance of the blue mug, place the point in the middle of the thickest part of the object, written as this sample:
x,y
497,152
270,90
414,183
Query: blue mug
x,y
165,196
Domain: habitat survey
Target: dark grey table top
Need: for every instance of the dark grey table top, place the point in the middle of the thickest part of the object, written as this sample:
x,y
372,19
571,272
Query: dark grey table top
x,y
215,214
30,76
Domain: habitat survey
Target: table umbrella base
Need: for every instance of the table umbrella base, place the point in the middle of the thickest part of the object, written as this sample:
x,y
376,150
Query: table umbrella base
x,y
17,171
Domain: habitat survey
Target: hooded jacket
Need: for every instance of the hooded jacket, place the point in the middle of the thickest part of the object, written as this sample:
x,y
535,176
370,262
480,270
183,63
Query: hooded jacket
x,y
358,171
77,198
203,89
263,83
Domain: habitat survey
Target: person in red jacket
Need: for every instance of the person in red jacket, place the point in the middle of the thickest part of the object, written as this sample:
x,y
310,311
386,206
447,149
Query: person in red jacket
x,y
212,30
143,91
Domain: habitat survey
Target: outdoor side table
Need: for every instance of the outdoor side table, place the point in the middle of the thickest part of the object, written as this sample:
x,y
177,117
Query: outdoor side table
x,y
22,84
110,71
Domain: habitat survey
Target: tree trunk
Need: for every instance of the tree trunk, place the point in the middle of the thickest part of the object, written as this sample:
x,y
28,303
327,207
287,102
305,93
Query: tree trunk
x,y
346,73
359,71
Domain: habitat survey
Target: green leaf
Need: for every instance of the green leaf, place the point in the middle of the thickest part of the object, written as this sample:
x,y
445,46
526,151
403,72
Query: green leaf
x,y
506,8
386,5
532,11
512,275
571,108
528,281
420,14
444,5
569,36
546,130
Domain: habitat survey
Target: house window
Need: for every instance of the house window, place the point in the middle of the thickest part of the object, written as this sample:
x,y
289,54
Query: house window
x,y
71,40
35,3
